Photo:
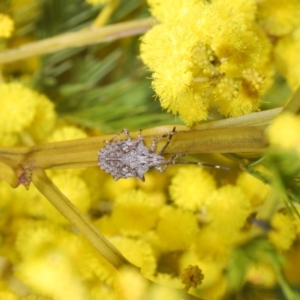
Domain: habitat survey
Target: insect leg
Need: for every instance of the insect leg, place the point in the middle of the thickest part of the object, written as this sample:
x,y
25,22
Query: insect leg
x,y
154,142
140,135
125,131
171,161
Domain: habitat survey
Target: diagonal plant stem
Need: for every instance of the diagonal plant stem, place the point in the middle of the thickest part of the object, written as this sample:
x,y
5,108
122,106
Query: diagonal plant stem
x,y
44,184
105,13
293,105
89,36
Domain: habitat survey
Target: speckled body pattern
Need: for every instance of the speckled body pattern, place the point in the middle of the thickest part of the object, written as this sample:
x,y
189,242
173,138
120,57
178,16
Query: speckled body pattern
x,y
130,158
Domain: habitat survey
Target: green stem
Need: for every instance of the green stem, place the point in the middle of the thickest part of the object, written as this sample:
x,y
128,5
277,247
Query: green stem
x,y
81,38
44,184
286,289
293,105
260,118
84,152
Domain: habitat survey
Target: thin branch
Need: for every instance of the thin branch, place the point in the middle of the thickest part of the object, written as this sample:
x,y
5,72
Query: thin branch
x,y
44,184
92,35
84,152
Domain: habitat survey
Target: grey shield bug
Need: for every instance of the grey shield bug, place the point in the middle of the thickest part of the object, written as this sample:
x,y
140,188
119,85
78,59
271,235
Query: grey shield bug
x,y
130,158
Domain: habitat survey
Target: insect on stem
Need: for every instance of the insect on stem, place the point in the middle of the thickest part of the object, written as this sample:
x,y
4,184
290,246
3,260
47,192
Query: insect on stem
x,y
130,158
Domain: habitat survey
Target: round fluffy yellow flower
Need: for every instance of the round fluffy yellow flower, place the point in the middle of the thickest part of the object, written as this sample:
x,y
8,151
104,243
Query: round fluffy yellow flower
x,y
66,133
244,103
138,252
245,7
130,284
6,26
112,189
34,236
213,244
226,90
173,70
161,291
98,291
106,225
51,273
287,58
255,189
18,104
283,231
37,235
134,213
75,189
92,266
176,228
190,187
192,108
44,119
285,132
180,9
278,17
34,203
92,177
227,201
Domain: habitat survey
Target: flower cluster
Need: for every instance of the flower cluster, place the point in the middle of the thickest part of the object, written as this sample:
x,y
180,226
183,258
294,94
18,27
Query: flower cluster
x,y
24,111
174,230
205,54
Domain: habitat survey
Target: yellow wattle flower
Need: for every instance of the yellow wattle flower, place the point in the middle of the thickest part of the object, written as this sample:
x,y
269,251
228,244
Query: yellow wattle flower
x,y
134,213
195,54
75,189
18,104
44,119
130,285
284,132
7,26
139,252
278,17
190,187
287,58
212,244
255,189
176,229
283,232
66,133
52,273
227,201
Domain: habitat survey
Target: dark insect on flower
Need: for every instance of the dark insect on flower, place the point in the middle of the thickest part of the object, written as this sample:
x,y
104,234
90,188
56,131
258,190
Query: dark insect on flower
x,y
130,158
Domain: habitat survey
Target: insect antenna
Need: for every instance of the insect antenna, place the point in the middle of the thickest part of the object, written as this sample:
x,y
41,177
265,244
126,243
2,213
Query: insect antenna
x,y
172,161
183,162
